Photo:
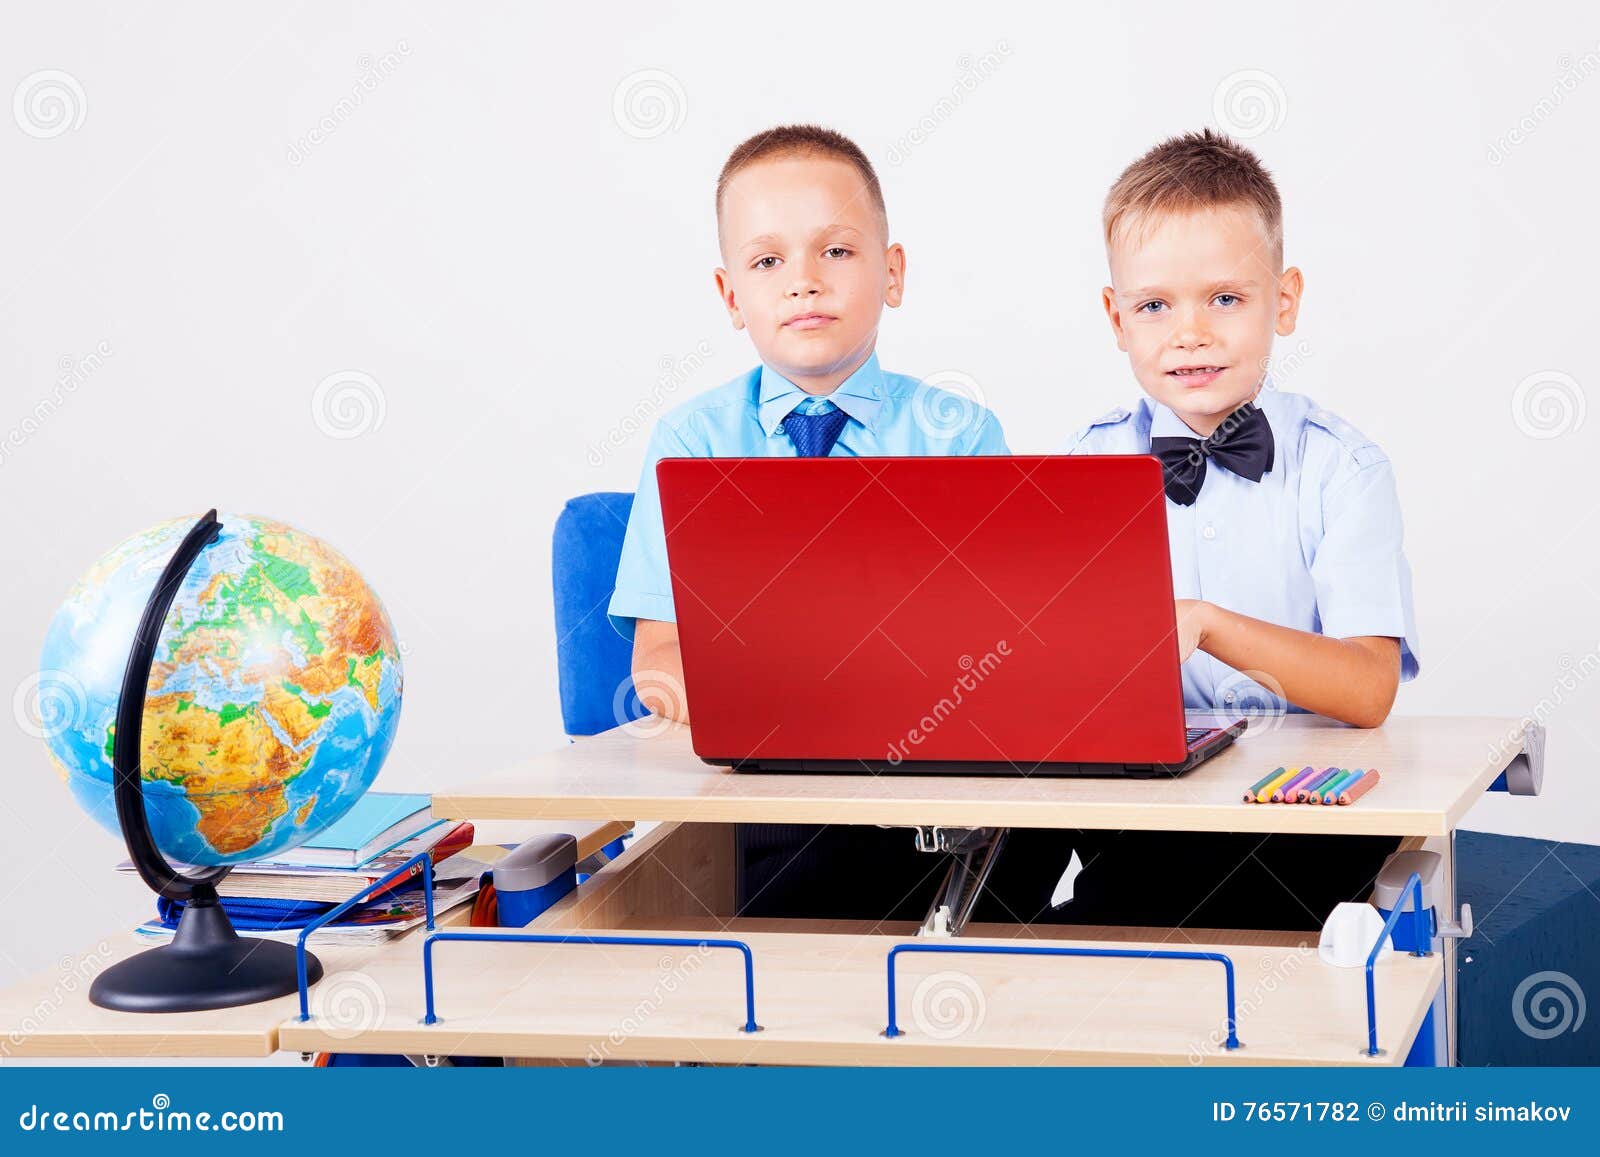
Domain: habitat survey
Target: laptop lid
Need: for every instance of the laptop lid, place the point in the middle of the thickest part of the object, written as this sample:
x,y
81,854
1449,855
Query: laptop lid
x,y
907,609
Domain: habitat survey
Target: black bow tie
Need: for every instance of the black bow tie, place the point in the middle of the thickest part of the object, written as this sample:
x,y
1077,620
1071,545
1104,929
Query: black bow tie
x,y
1242,444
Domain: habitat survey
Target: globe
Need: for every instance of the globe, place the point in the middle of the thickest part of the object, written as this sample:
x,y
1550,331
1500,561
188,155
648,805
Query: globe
x,y
273,697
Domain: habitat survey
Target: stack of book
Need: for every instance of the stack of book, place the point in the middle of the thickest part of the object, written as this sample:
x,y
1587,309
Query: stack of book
x,y
279,896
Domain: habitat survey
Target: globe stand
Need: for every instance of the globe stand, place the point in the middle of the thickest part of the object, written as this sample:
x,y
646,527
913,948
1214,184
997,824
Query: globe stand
x,y
208,964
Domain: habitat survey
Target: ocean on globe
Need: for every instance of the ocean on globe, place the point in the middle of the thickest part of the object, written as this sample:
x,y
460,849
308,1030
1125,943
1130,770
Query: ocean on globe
x,y
272,701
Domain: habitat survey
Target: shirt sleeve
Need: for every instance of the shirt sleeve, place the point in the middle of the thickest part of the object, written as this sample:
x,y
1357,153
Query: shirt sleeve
x,y
644,583
1362,578
1115,433
990,438
1078,443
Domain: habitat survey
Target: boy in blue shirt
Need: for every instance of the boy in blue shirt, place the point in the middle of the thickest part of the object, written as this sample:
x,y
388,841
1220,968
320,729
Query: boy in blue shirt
x,y
807,268
1293,589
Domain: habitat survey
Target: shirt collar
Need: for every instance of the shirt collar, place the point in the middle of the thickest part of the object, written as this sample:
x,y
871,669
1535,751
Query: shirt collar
x,y
1166,424
860,396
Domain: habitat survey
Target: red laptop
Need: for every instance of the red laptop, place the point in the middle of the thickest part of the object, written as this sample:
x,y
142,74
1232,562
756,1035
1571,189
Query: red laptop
x,y
983,615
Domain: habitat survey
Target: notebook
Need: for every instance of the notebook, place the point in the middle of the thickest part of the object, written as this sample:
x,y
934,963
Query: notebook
x,y
263,881
379,821
458,882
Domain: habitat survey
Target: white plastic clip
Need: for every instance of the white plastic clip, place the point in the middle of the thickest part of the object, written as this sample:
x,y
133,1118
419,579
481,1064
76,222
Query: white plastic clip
x,y
938,927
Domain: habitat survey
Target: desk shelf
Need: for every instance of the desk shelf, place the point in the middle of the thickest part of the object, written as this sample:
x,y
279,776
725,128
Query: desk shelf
x,y
820,989
49,1014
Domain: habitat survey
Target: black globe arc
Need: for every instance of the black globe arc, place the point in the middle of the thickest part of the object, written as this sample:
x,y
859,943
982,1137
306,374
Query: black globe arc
x,y
207,964
127,745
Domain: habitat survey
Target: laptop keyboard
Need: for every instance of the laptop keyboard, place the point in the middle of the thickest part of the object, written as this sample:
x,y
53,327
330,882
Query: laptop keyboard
x,y
1194,736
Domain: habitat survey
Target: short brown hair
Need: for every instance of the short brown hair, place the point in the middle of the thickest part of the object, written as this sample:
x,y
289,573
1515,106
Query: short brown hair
x,y
803,140
1203,170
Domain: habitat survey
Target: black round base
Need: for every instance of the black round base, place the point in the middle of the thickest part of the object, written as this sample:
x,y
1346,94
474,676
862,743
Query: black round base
x,y
207,965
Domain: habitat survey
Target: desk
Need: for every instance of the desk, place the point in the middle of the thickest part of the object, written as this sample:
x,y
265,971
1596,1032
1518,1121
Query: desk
x,y
820,984
1435,768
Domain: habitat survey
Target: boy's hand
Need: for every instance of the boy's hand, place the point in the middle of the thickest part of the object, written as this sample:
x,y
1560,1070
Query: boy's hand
x,y
1191,626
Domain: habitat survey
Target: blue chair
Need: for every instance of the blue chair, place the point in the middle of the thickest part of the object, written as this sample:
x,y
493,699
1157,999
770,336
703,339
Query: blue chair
x,y
594,664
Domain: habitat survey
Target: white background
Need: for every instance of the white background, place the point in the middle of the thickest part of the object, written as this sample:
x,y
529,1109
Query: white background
x,y
513,260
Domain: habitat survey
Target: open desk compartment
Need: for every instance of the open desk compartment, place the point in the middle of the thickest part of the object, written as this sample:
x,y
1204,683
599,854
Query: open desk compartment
x,y
820,988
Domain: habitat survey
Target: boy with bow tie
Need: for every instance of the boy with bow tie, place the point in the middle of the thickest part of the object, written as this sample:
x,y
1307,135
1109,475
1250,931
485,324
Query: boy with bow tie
x,y
1285,533
1283,519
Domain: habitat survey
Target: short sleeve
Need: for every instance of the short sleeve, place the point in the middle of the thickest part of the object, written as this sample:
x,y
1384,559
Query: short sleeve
x,y
1362,578
990,439
1111,433
1078,443
644,584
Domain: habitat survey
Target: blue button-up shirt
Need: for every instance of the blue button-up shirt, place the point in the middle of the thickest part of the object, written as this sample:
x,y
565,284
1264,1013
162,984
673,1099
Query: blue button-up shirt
x,y
1315,545
891,415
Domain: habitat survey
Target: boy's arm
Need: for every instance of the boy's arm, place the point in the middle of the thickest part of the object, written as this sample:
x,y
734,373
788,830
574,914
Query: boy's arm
x,y
658,669
1353,680
641,607
1367,645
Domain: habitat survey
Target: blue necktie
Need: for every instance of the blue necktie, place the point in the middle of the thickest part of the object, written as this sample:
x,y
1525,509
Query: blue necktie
x,y
766,851
813,435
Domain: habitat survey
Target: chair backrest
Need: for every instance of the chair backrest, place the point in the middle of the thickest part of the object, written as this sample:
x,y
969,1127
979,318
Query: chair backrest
x,y
594,664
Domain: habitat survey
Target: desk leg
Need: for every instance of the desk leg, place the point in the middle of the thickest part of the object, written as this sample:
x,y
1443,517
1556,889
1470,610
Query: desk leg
x,y
1445,847
1447,852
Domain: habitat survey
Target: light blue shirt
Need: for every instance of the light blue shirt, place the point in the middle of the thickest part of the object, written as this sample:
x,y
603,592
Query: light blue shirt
x,y
1315,545
891,415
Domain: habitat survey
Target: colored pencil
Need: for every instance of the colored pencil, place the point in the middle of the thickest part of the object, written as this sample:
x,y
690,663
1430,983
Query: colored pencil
x,y
1251,792
1303,792
1335,773
1330,792
1349,782
1285,794
1368,782
1265,793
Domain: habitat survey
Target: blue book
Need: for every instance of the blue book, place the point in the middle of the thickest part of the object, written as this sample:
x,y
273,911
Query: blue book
x,y
380,821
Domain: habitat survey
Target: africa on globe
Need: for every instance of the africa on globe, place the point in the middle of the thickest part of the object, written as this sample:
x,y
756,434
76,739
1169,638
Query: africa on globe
x,y
273,696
